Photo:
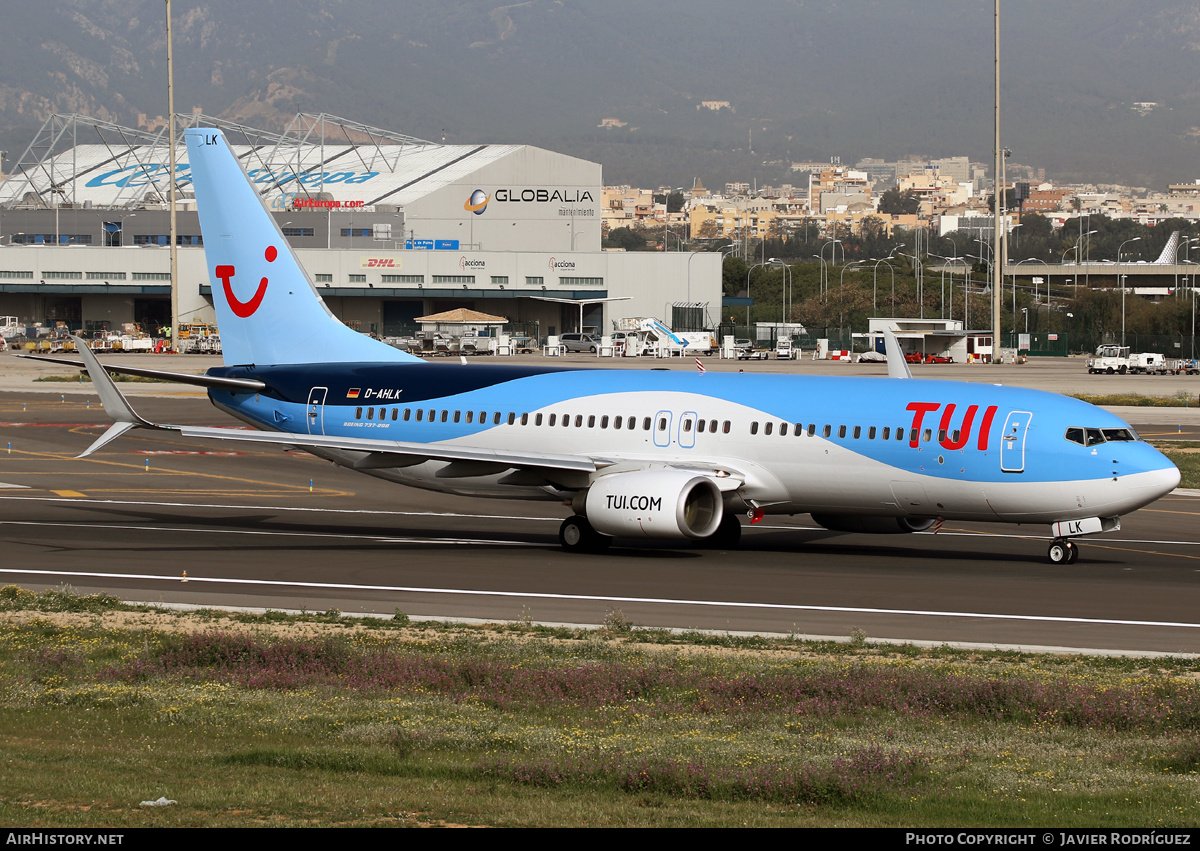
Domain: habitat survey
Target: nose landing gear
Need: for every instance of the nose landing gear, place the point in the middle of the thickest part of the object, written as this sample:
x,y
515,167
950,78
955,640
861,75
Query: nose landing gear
x,y
1062,551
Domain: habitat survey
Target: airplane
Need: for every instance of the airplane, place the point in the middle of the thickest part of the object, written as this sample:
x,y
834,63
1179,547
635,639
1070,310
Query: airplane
x,y
634,454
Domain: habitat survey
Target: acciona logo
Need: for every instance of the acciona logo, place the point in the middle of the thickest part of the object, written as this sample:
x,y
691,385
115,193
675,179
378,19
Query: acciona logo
x,y
561,264
464,263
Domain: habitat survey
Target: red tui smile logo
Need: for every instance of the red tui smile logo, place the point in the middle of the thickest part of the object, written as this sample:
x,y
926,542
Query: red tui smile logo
x,y
244,309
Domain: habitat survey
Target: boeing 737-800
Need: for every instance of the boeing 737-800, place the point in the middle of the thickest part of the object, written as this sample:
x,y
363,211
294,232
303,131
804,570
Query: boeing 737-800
x,y
636,454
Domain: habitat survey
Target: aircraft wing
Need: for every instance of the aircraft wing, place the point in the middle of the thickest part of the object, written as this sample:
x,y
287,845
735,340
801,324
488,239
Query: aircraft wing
x,y
394,453
374,453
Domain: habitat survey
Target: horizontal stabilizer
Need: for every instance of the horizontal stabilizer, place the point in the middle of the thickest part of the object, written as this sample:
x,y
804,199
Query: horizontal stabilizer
x,y
248,384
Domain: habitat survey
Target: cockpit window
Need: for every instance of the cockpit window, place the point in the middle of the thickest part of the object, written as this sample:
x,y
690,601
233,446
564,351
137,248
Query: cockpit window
x,y
1096,436
1119,434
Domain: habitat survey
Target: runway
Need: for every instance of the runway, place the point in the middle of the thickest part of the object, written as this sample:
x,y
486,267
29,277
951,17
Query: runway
x,y
282,530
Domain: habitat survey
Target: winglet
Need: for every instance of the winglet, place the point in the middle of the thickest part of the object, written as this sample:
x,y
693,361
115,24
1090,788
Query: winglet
x,y
115,405
897,365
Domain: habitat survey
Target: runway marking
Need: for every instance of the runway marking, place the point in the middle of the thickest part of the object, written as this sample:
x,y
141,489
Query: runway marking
x,y
602,598
8,485
67,493
224,506
297,489
282,533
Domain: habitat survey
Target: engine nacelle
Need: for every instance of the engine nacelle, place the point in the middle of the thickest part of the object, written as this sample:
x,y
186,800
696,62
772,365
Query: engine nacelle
x,y
873,525
654,504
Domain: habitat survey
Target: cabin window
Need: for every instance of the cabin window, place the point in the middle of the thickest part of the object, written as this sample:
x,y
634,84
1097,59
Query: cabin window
x,y
662,423
432,415
1119,434
783,427
754,428
900,434
591,420
553,419
646,424
496,418
941,435
1076,435
616,422
370,413
798,430
828,430
767,428
812,429
928,434
395,414
407,414
358,413
699,426
537,420
841,431
604,422
470,416
687,426
913,437
445,416
857,432
871,433
712,426
458,416
632,423
512,418
579,421
955,435
420,414
725,426
524,419
887,433
1094,436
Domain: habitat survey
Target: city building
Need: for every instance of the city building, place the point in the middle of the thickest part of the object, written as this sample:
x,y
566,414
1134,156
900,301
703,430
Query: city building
x,y
390,228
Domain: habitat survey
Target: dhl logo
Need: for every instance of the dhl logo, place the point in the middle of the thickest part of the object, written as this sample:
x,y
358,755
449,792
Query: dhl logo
x,y
380,263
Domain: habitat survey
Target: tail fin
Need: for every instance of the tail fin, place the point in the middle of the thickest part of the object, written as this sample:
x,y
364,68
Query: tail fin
x,y
1170,250
268,311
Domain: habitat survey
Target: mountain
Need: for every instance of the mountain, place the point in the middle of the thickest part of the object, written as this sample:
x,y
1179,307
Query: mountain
x,y
1092,90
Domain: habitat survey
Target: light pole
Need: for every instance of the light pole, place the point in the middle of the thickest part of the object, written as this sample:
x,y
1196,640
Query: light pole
x,y
1014,287
875,283
787,286
1121,281
832,257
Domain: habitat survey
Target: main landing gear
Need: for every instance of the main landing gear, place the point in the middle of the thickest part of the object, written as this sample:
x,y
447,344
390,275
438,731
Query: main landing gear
x,y
1062,551
576,535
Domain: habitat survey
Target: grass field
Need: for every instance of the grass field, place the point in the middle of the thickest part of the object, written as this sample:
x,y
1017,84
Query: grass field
x,y
323,720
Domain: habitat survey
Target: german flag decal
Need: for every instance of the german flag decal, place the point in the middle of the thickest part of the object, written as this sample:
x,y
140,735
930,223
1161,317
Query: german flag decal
x,y
352,393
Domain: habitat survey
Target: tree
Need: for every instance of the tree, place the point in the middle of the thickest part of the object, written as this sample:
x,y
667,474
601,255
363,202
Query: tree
x,y
627,238
733,275
897,203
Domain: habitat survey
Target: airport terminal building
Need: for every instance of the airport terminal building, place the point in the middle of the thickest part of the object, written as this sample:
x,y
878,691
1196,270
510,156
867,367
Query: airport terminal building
x,y
389,227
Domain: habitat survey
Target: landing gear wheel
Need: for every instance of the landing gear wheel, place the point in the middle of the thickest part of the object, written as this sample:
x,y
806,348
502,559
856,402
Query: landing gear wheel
x,y
576,535
1062,552
728,534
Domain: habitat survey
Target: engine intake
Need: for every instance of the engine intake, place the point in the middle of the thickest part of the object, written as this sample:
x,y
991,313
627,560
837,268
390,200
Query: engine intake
x,y
653,504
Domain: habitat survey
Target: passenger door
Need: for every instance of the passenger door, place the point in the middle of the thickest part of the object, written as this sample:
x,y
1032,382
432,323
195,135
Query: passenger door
x,y
316,410
1012,442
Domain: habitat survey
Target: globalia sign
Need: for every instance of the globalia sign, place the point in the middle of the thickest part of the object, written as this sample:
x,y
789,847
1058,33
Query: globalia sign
x,y
477,203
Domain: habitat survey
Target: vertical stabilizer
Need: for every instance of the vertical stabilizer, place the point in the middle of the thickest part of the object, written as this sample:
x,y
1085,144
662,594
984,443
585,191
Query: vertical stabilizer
x,y
268,312
1170,251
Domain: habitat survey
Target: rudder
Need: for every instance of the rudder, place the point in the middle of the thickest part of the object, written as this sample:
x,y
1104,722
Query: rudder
x,y
268,311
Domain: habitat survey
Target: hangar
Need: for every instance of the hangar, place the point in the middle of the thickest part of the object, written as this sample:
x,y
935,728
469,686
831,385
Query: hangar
x,y
390,228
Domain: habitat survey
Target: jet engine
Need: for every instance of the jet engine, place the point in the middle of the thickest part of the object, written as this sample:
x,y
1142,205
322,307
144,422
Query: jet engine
x,y
653,504
873,525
